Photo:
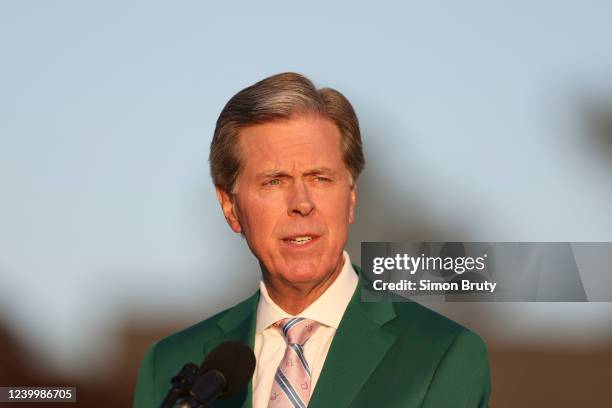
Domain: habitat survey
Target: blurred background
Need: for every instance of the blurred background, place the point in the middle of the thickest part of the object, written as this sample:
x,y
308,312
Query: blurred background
x,y
482,121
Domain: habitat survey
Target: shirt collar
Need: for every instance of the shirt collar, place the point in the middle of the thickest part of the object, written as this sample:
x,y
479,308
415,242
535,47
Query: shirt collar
x,y
327,309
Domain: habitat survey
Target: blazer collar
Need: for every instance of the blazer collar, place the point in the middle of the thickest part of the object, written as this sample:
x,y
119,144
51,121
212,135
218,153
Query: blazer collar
x,y
239,322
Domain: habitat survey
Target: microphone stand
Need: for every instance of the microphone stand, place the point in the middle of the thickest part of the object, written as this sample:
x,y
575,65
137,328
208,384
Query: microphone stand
x,y
181,383
205,389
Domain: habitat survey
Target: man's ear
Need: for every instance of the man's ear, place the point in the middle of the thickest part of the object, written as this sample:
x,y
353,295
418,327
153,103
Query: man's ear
x,y
352,203
228,206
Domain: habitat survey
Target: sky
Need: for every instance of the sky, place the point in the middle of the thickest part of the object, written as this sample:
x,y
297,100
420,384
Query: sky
x,y
472,115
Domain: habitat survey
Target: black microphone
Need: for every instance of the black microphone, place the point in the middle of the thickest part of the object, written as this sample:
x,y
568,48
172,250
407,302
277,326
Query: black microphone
x,y
225,372
181,383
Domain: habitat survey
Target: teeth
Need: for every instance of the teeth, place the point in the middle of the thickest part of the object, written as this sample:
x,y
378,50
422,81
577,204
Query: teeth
x,y
301,240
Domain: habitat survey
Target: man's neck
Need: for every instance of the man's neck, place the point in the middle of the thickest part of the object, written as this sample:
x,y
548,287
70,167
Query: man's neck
x,y
295,298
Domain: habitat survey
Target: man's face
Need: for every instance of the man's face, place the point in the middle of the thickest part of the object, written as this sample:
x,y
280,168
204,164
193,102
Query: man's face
x,y
294,198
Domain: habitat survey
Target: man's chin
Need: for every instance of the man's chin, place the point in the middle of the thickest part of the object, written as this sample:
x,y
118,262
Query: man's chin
x,y
303,272
307,273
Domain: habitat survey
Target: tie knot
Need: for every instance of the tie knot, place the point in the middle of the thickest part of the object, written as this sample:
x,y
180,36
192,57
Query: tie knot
x,y
297,330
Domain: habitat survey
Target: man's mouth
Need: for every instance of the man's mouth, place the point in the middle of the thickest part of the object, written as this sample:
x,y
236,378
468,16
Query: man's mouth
x,y
300,240
305,240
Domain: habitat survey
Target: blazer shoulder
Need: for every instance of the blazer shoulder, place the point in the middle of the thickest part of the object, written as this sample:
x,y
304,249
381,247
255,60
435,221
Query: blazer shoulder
x,y
208,328
452,358
412,317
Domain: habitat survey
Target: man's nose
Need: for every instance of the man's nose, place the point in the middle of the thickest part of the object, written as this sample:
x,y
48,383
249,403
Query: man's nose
x,y
299,200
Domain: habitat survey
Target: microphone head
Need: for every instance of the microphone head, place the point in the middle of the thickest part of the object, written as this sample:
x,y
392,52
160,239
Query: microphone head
x,y
236,361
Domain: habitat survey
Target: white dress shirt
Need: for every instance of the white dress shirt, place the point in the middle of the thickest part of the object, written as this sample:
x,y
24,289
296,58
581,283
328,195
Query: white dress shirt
x,y
270,345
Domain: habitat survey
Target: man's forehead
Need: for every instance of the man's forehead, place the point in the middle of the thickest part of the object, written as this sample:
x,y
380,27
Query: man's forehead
x,y
280,146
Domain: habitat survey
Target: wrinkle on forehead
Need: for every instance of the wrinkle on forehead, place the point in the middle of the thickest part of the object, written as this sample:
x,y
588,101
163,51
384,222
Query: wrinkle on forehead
x,y
293,144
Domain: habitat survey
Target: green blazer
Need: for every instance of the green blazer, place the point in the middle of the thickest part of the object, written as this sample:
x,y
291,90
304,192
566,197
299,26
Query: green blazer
x,y
383,355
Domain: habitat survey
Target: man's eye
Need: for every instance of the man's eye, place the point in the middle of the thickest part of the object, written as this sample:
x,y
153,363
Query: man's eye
x,y
322,179
273,182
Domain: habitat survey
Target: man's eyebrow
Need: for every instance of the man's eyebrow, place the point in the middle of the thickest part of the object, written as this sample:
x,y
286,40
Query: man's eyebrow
x,y
281,173
320,170
272,173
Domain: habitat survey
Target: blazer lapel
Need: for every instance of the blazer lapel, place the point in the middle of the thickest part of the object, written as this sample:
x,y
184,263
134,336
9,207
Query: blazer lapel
x,y
357,348
238,324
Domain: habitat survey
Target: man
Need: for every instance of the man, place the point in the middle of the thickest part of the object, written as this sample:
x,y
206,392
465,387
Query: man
x,y
285,159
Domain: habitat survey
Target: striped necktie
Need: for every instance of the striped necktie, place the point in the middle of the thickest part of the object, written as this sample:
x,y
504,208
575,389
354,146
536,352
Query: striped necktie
x,y
291,387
